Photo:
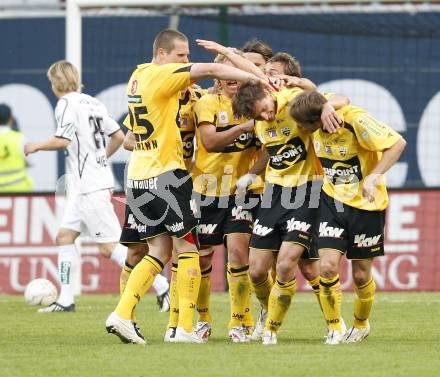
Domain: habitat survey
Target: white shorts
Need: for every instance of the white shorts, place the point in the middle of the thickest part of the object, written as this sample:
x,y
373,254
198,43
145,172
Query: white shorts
x,y
92,214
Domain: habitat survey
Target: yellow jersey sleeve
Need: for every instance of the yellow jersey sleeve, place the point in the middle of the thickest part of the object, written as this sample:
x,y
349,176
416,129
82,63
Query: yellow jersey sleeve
x,y
372,134
205,110
174,77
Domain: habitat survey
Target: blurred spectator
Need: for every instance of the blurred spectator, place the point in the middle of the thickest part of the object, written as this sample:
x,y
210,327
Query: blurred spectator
x,y
13,175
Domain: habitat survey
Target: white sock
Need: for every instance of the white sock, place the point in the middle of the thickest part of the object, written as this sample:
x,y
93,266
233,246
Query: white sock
x,y
119,255
160,284
67,268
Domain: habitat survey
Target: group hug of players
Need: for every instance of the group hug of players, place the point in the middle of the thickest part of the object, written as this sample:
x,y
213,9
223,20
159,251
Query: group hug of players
x,y
282,175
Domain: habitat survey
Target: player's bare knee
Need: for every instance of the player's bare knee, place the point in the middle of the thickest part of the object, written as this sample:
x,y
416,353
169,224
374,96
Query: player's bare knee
x,y
308,271
257,273
205,260
328,268
285,269
361,277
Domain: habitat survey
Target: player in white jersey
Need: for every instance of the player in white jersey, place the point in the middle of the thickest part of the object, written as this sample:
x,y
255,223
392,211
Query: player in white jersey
x,y
82,126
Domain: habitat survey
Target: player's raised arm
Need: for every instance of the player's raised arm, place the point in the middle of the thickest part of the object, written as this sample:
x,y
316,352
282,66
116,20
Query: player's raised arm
x,y
239,61
200,71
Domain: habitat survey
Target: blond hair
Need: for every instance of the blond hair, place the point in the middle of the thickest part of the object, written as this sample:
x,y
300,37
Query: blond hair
x,y
63,76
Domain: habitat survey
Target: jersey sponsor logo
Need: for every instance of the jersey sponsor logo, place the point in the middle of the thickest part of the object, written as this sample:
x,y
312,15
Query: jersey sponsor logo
x,y
285,155
301,226
361,240
371,125
174,227
188,143
329,231
134,225
261,230
145,184
244,141
206,228
241,214
342,172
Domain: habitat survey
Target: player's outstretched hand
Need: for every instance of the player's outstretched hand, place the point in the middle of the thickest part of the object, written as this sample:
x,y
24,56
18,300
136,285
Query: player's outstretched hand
x,y
369,186
30,148
212,46
330,119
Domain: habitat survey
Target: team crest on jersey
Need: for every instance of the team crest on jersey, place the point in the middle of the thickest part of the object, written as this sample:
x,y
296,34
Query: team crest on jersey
x,y
134,87
223,117
183,122
272,133
285,131
328,149
343,151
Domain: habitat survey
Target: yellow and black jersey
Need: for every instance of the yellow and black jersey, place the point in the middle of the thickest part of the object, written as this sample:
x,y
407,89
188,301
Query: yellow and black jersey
x,y
186,119
258,186
154,92
349,155
215,174
292,159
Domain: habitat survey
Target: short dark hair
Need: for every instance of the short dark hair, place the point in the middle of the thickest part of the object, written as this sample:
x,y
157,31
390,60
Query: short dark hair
x,y
165,39
258,47
5,114
243,103
289,62
307,106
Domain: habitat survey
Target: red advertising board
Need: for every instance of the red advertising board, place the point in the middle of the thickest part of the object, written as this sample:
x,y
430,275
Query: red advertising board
x,y
29,223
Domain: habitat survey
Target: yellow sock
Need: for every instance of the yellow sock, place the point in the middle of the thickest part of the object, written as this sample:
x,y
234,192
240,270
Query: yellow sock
x,y
330,297
315,286
363,303
262,290
204,294
248,320
123,278
239,287
188,285
138,284
279,302
174,298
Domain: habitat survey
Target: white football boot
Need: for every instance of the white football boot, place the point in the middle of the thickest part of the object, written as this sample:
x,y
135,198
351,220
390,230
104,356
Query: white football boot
x,y
183,336
336,336
238,335
203,330
356,335
169,334
269,338
124,329
259,328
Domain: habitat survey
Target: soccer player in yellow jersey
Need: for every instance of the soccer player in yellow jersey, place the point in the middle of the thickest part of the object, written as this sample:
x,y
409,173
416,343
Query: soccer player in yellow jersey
x,y
353,203
158,185
226,145
286,218
284,66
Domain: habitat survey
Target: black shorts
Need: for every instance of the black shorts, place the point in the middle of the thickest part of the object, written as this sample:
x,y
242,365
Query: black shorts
x,y
285,214
357,233
220,216
158,205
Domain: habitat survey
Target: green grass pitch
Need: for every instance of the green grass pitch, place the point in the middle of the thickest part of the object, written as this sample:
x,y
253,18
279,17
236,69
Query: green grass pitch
x,y
405,341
